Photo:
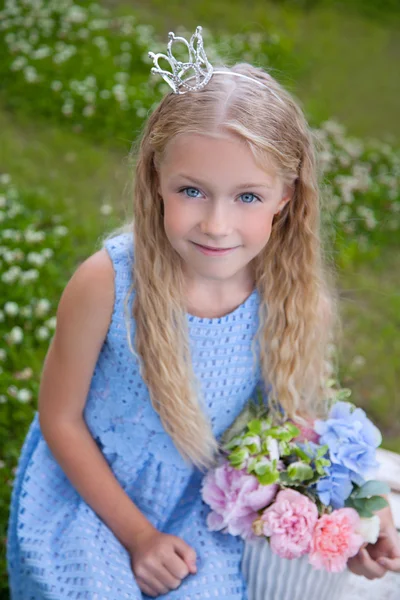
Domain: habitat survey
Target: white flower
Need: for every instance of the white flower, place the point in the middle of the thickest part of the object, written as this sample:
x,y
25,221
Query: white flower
x,y
60,230
51,323
24,395
5,178
34,236
16,335
273,448
47,252
11,275
3,399
42,307
56,85
369,529
30,275
11,309
3,354
42,333
26,311
36,259
3,201
2,464
106,209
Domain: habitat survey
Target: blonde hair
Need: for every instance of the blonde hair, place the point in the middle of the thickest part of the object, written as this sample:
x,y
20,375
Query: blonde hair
x,y
297,308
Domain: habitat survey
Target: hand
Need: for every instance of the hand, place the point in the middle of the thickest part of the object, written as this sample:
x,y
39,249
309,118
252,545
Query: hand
x,y
374,560
160,561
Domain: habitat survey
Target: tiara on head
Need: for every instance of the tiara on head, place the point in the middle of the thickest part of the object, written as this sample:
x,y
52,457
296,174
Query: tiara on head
x,y
198,62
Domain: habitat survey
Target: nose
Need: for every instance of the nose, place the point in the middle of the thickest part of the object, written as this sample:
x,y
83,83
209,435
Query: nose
x,y
216,222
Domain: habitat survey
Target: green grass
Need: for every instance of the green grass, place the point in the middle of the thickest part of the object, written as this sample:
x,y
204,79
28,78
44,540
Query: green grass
x,y
351,62
370,305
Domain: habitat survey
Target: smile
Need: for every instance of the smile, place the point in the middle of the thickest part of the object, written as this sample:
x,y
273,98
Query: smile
x,y
213,251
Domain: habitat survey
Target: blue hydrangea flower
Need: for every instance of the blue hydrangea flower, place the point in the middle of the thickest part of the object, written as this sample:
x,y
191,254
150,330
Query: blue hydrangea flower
x,y
352,440
336,487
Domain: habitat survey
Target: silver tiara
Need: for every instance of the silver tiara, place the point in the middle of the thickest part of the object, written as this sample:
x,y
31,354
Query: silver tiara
x,y
198,65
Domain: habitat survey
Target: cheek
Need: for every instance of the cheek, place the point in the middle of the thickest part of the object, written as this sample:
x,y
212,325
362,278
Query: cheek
x,y
176,220
259,229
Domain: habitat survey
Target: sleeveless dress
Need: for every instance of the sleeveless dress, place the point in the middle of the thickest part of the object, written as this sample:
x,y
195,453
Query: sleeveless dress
x,y
57,546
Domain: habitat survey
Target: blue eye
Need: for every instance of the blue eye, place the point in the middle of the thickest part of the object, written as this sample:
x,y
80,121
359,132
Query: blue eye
x,y
251,196
187,191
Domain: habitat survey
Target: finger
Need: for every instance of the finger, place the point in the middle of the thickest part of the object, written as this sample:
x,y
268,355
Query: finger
x,y
167,578
187,553
154,587
176,566
372,570
146,589
391,564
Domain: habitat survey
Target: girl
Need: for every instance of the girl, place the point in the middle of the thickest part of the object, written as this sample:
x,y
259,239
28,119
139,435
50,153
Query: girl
x,y
162,336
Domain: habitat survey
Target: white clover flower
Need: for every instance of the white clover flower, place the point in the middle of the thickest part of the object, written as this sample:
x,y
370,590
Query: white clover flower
x,y
106,209
15,336
3,201
32,236
36,259
105,94
31,74
41,52
76,14
24,374
19,63
5,178
24,395
3,399
47,252
88,111
56,85
68,108
51,323
11,275
3,354
10,234
29,275
42,333
26,311
60,230
42,307
11,309
369,529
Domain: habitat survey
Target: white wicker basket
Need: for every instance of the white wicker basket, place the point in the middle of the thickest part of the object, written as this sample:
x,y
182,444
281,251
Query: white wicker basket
x,y
270,577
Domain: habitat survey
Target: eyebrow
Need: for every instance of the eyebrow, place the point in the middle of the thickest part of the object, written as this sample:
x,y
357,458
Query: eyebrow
x,y
241,186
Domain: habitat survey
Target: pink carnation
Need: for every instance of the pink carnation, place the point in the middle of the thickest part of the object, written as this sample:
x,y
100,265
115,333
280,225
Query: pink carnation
x,y
335,541
306,432
289,523
235,497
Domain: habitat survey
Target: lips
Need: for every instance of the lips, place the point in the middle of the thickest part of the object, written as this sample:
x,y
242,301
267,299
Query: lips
x,y
212,248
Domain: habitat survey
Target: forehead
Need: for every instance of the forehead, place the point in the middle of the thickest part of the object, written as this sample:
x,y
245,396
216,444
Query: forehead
x,y
210,155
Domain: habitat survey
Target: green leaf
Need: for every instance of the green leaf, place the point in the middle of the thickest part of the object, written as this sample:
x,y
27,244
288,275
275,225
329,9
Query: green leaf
x,y
375,503
268,478
372,488
300,471
254,426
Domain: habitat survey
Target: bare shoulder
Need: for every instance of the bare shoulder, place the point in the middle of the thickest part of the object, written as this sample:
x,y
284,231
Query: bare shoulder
x,y
90,291
83,317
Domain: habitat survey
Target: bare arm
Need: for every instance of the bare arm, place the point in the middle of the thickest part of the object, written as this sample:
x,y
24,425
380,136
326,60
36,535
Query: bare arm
x,y
83,318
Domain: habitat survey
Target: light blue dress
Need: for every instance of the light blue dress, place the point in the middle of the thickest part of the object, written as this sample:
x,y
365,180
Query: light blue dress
x,y
57,547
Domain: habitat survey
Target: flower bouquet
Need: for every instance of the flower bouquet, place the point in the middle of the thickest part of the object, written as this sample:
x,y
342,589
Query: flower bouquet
x,y
302,489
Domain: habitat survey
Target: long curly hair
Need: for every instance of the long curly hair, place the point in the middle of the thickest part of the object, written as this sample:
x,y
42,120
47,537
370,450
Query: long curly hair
x,y
297,305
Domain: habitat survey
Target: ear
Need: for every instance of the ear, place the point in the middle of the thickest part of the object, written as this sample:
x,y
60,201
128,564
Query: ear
x,y
287,195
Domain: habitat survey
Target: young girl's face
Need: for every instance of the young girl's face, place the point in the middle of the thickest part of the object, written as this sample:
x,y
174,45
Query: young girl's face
x,y
216,197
